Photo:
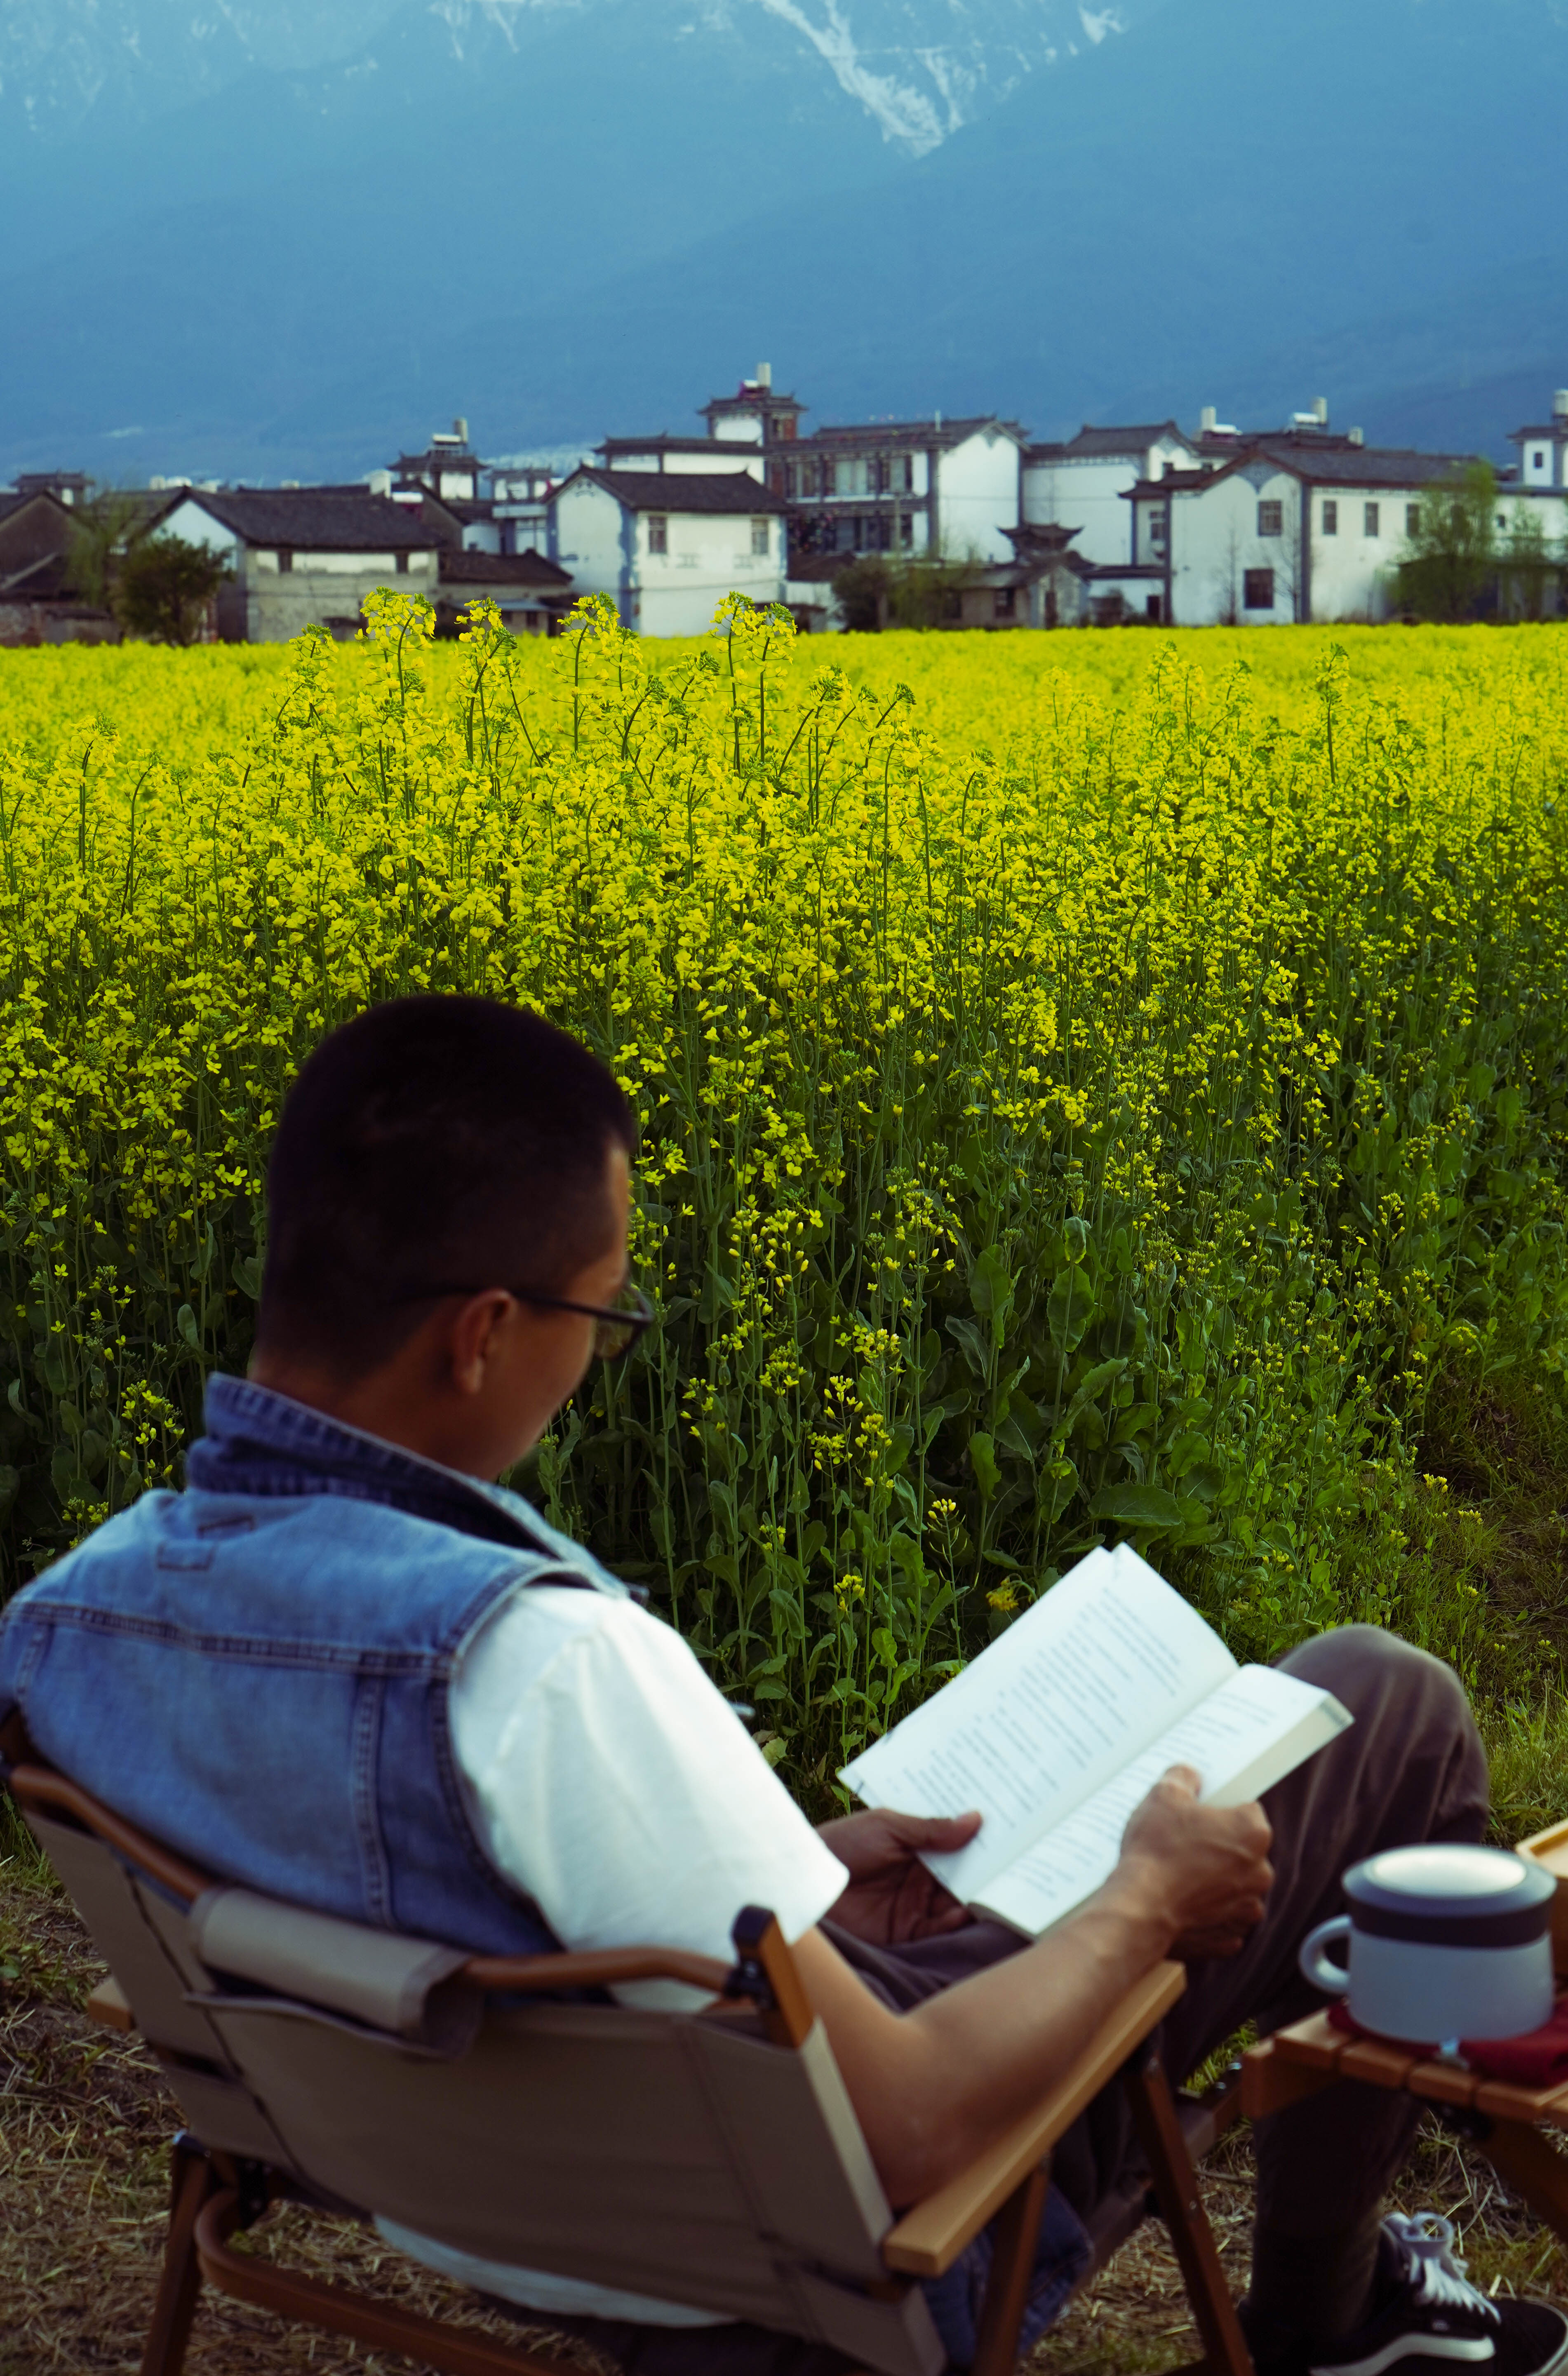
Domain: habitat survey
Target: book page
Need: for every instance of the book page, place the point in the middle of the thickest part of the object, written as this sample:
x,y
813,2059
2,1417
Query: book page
x,y
1245,1737
1101,1664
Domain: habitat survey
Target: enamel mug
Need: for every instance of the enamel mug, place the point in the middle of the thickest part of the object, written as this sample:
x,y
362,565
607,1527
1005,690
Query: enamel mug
x,y
1445,1942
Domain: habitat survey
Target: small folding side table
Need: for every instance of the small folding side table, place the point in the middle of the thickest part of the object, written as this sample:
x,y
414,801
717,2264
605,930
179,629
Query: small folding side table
x,y
1512,2125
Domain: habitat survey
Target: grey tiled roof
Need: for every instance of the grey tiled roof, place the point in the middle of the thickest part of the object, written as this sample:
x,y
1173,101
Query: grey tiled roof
x,y
1340,465
665,442
1092,444
468,568
895,434
683,490
307,519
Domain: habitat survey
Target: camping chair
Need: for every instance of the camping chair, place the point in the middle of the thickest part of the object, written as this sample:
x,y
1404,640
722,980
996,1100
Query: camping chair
x,y
711,2158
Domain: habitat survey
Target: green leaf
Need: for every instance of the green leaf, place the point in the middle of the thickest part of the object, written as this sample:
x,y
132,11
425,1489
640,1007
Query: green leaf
x,y
185,1321
246,1274
1146,1507
10,1486
1070,1309
973,1343
67,1474
1058,1485
1011,1436
982,1460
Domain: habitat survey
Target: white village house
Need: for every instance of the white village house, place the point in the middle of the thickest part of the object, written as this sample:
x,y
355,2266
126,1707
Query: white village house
x,y
302,556
1304,525
895,487
669,543
1079,483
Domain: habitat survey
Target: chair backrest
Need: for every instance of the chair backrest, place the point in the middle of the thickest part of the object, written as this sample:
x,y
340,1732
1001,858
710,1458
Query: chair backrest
x,y
687,2158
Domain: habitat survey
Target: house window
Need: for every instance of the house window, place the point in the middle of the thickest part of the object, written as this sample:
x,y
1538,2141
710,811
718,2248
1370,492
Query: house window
x,y
1412,519
1151,610
1271,522
1257,590
285,559
402,564
1331,519
1538,457
906,533
759,536
658,532
905,477
1158,526
1002,602
791,480
1370,521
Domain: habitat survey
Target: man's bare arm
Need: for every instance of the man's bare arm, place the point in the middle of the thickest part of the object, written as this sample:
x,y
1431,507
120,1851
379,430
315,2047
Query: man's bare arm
x,y
933,2086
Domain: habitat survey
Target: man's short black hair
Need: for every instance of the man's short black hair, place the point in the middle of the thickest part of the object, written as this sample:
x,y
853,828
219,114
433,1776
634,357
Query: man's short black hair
x,y
432,1140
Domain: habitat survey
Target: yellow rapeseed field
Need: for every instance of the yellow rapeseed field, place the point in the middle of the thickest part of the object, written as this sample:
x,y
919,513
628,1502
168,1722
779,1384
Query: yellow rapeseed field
x,y
1089,1084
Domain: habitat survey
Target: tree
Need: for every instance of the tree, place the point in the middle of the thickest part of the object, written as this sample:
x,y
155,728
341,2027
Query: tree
x,y
100,530
1528,566
162,589
1452,557
902,592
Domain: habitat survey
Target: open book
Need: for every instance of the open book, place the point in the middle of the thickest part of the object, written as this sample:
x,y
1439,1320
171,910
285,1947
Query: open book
x,y
1069,1719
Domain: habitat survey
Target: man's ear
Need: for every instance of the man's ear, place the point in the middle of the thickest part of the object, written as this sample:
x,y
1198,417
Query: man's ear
x,y
471,1334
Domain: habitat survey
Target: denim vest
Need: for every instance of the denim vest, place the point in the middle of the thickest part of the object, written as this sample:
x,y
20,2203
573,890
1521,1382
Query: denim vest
x,y
256,1671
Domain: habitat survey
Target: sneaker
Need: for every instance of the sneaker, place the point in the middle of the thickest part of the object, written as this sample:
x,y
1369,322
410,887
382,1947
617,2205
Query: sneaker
x,y
1428,2312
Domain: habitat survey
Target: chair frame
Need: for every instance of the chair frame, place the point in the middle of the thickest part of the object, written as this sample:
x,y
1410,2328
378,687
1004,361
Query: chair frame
x,y
215,2196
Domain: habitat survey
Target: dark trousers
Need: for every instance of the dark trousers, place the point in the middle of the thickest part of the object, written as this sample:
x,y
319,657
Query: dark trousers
x,y
1411,1768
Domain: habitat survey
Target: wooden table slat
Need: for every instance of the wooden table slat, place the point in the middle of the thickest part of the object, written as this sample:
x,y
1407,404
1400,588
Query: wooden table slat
x,y
1442,2083
1314,2042
1534,2106
1379,2060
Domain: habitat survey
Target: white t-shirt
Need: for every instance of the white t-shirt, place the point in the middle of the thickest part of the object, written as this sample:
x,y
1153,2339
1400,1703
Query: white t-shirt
x,y
613,1784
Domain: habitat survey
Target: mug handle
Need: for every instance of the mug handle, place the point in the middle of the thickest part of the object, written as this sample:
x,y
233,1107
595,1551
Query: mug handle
x,y
1332,1979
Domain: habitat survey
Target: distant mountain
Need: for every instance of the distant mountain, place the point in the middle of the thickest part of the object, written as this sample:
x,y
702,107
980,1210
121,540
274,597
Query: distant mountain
x,y
921,69
293,246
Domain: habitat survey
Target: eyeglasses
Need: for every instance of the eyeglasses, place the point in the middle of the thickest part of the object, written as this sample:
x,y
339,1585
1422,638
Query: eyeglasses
x,y
617,1326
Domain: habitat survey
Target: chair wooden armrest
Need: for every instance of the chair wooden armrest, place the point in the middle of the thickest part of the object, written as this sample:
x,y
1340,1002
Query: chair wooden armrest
x,y
110,2007
929,2238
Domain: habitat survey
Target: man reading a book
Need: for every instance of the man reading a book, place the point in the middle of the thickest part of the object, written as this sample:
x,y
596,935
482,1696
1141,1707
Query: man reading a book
x,y
345,1666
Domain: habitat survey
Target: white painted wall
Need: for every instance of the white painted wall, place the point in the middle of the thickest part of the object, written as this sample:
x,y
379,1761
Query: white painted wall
x,y
606,547
1088,493
195,526
700,459
1215,540
586,537
1354,555
978,496
1354,561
